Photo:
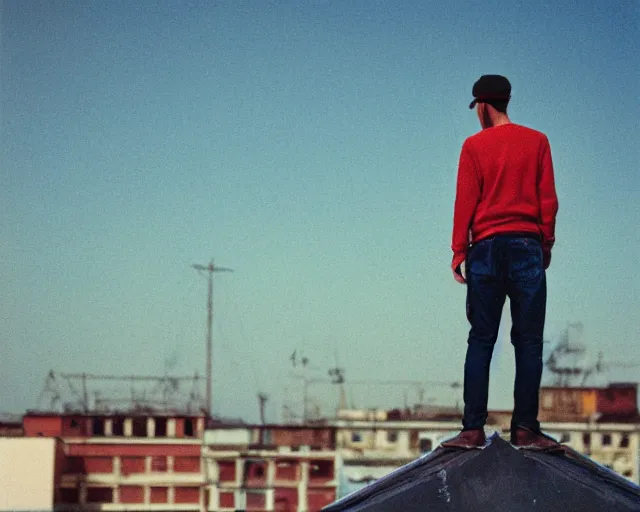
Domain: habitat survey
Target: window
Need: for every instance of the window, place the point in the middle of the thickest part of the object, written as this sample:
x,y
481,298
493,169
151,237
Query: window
x,y
586,439
130,465
99,464
227,471
186,464
286,470
317,499
356,437
392,436
187,494
74,465
320,471
624,441
606,439
98,426
117,427
565,438
426,445
256,501
158,463
159,494
68,495
286,499
139,427
227,500
161,427
131,494
189,431
99,495
547,401
255,470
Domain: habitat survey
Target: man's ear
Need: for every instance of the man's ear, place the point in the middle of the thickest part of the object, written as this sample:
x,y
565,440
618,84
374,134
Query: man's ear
x,y
480,111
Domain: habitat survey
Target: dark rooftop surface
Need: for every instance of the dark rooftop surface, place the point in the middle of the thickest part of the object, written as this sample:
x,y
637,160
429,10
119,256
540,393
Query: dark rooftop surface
x,y
498,478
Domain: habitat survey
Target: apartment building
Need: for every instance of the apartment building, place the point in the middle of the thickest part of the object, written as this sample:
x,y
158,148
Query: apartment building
x,y
118,461
283,468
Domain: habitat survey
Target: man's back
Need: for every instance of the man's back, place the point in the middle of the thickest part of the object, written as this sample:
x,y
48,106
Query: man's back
x,y
505,185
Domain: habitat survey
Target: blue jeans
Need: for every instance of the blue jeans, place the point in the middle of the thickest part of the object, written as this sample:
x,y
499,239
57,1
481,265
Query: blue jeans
x,y
499,267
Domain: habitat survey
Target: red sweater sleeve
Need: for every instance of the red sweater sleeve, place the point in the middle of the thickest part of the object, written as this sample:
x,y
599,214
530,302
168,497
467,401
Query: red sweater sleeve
x,y
468,189
548,197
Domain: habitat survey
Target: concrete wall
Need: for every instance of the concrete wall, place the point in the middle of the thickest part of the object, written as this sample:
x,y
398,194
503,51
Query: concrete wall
x,y
230,436
299,437
362,414
27,469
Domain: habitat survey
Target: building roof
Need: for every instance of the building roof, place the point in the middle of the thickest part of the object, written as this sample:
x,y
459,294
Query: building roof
x,y
113,414
619,418
498,477
10,418
610,385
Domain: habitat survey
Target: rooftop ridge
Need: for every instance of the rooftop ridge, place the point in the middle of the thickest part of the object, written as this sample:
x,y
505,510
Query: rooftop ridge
x,y
496,476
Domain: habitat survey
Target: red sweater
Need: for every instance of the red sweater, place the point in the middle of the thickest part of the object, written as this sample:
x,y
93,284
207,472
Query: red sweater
x,y
505,184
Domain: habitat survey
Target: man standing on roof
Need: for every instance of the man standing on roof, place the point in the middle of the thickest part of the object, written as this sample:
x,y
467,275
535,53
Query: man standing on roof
x,y
503,232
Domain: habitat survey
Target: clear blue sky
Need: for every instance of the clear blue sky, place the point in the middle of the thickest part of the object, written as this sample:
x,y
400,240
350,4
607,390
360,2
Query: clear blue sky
x,y
312,147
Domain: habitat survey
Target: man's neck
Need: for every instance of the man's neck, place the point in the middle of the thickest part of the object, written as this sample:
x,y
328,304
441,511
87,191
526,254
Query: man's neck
x,y
500,119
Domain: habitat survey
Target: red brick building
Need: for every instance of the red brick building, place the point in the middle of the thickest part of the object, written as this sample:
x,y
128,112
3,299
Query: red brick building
x,y
123,460
164,462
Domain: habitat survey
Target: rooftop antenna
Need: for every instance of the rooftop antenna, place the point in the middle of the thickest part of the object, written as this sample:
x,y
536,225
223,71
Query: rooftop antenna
x,y
337,377
169,386
210,269
566,374
262,400
51,390
306,381
601,366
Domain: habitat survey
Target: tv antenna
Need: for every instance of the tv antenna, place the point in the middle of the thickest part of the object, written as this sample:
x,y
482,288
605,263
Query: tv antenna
x,y
210,269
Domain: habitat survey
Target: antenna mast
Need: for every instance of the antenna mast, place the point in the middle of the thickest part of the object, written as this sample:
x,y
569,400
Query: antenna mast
x,y
262,400
210,269
337,377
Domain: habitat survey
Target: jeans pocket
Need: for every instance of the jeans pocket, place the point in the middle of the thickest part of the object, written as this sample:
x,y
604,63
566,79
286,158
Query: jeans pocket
x,y
525,259
479,259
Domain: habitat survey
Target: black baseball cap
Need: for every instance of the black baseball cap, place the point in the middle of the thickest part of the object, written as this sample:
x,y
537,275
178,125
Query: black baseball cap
x,y
490,87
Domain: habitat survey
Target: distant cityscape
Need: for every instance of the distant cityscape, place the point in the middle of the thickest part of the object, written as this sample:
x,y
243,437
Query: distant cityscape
x,y
159,449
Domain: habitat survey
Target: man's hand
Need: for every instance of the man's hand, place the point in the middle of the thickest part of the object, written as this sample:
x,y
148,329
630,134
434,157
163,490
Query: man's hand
x,y
459,274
